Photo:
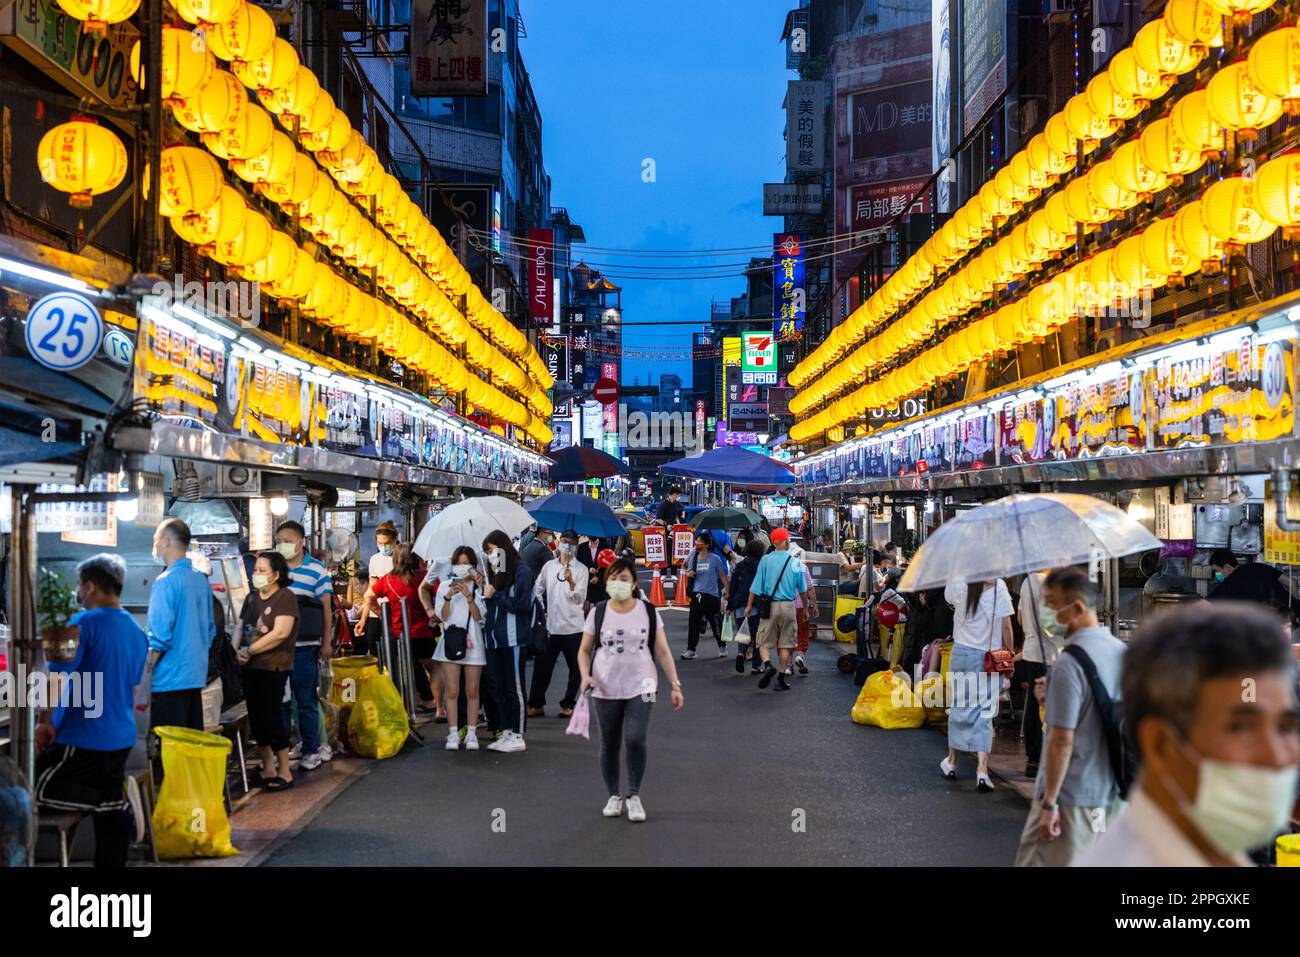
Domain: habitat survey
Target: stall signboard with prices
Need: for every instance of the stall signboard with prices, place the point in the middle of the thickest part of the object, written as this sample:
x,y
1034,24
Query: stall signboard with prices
x,y
1280,548
656,547
683,543
1101,417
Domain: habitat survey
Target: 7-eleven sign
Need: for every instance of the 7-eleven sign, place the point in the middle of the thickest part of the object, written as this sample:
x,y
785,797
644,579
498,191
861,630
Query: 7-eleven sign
x,y
757,351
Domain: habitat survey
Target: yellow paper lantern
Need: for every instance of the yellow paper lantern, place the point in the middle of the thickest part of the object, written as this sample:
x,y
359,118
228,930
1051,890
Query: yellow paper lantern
x,y
1191,233
1132,270
246,35
1059,136
1006,187
186,63
277,262
1191,120
191,181
1129,79
81,158
271,71
1230,213
298,96
1106,101
1133,174
1274,66
1106,190
248,135
1164,150
251,243
1085,124
1235,102
1277,193
300,278
1195,22
1240,10
271,165
1028,178
206,13
1162,254
313,125
994,205
1042,233
1083,206
1047,161
1158,51
98,14
213,106
219,223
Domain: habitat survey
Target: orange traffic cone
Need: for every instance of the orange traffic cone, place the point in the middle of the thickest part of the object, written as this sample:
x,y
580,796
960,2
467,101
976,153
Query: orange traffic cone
x,y
657,591
680,598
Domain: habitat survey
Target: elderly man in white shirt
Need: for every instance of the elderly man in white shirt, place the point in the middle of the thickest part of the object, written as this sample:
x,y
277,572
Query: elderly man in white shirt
x,y
1209,695
562,587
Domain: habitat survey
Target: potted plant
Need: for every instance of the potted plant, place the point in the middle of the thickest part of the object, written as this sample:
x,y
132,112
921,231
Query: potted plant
x,y
56,603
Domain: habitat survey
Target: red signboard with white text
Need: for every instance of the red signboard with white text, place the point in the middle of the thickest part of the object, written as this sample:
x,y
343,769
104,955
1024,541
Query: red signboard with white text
x,y
541,275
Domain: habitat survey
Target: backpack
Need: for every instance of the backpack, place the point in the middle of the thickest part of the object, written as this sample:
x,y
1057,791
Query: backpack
x,y
650,617
1123,753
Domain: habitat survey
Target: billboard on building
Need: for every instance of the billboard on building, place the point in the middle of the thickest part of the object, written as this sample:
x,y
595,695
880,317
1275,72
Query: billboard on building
x,y
792,199
875,205
459,211
789,296
941,83
805,129
541,275
893,119
449,47
757,351
983,57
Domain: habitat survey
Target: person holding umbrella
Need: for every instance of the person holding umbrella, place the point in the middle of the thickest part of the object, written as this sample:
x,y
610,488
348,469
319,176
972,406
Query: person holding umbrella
x,y
509,597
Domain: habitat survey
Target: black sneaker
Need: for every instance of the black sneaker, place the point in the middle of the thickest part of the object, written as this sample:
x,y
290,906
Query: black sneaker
x,y
1031,770
740,663
782,684
768,674
756,670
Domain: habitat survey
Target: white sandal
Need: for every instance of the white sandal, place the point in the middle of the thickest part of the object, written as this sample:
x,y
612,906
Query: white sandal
x,y
949,771
982,783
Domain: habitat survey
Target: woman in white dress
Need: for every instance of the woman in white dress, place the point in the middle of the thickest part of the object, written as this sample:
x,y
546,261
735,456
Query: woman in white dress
x,y
460,604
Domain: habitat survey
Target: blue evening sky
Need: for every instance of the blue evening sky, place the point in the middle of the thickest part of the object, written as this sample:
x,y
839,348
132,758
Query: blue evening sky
x,y
696,86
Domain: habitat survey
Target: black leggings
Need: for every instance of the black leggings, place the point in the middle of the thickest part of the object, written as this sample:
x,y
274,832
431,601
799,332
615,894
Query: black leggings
x,y
422,650
622,722
264,694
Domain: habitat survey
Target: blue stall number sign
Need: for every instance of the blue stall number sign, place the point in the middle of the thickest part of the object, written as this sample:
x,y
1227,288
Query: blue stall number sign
x,y
118,347
64,331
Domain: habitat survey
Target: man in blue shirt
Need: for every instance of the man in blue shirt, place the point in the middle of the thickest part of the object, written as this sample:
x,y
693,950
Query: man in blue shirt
x,y
311,585
707,573
86,737
180,631
780,575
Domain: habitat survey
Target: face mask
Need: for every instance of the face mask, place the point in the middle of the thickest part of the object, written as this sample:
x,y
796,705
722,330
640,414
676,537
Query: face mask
x,y
261,581
1050,624
461,571
619,590
498,559
387,549
288,550
1219,576
158,559
1240,806
567,549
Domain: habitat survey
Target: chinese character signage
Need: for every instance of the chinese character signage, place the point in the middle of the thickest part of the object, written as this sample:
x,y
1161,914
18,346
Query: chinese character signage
x,y
609,413
95,63
875,205
792,199
541,275
896,119
805,129
788,295
758,351
449,48
984,57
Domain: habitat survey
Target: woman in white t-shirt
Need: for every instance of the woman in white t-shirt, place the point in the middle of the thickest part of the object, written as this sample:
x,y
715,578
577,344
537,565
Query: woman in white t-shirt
x,y
460,604
624,680
981,618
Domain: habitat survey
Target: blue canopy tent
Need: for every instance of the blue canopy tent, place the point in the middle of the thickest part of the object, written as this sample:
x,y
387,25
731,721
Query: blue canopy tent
x,y
733,465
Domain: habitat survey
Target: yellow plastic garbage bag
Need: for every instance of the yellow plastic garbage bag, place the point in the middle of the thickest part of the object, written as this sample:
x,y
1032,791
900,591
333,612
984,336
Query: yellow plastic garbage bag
x,y
887,701
929,694
349,674
189,819
377,725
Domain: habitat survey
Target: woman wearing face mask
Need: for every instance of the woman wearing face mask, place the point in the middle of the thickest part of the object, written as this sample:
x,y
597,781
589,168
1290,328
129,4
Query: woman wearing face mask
x,y
460,605
507,631
272,615
402,584
626,635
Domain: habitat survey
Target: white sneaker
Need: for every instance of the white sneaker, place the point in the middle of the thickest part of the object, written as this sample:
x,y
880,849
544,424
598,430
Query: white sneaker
x,y
324,752
722,651
613,807
453,740
508,742
310,763
635,812
295,752
471,740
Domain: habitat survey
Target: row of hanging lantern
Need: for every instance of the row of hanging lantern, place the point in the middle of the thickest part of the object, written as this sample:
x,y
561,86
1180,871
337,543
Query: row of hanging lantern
x,y
411,260
1242,96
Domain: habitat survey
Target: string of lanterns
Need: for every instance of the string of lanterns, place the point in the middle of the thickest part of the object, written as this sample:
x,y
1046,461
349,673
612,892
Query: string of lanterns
x,y
411,261
1243,96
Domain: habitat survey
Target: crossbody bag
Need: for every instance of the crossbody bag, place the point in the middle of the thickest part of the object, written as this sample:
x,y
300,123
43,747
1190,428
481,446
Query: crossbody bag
x,y
765,601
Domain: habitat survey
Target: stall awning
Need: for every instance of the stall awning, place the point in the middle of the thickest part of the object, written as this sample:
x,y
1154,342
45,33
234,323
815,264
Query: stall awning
x,y
733,465
22,437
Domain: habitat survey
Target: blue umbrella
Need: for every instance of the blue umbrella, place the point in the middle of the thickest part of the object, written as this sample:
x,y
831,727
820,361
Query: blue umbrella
x,y
586,516
732,464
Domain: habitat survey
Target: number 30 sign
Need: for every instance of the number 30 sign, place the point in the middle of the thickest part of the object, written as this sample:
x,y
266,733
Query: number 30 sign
x,y
64,331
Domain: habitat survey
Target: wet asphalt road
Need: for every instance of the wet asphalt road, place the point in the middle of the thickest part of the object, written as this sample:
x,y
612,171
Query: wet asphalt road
x,y
730,779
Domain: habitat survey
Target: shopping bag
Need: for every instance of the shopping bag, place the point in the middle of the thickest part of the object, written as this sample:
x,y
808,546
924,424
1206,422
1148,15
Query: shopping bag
x,y
728,627
580,722
378,726
189,819
887,701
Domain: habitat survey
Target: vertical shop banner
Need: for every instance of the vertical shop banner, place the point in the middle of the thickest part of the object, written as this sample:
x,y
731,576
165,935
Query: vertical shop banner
x,y
805,127
555,353
541,276
789,298
449,48
984,57
941,65
609,413
460,211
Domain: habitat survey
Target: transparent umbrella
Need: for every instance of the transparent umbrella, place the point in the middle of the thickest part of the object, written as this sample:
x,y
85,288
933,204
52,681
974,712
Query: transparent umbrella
x,y
1025,533
466,523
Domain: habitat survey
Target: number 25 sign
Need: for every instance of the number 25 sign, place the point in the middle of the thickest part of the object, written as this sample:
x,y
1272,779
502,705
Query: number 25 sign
x,y
64,331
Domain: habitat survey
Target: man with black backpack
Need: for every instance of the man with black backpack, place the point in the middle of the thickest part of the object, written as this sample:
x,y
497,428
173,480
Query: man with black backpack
x,y
1084,777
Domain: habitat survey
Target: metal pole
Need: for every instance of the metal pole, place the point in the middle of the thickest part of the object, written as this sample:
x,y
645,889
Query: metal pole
x,y
385,645
151,225
22,628
404,662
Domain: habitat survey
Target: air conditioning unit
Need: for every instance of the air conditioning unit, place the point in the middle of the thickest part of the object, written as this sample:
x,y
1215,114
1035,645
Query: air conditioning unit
x,y
204,480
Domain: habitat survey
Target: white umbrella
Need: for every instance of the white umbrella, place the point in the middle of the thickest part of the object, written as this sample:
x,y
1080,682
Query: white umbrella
x,y
467,523
1025,533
